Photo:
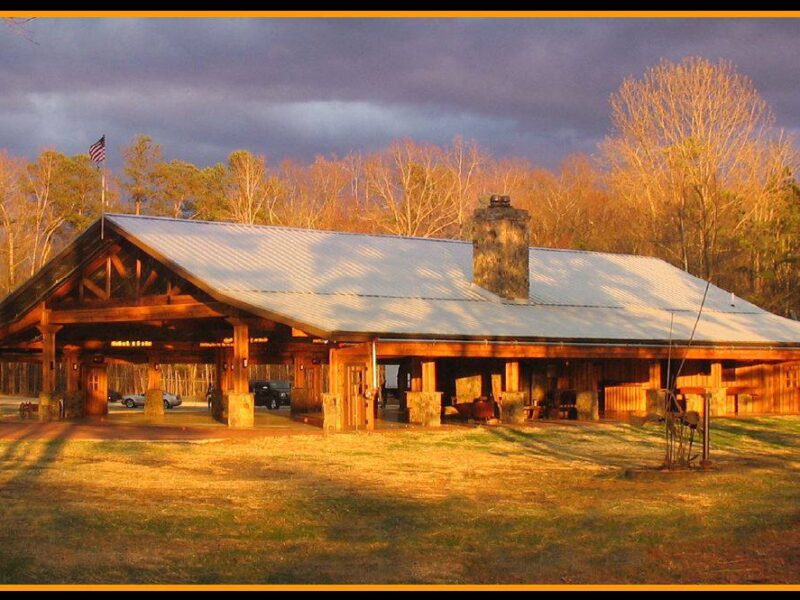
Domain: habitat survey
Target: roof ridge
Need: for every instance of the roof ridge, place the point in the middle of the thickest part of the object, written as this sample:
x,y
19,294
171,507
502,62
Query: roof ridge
x,y
290,228
363,234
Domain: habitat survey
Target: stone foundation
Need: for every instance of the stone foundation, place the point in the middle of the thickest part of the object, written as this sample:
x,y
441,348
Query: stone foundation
x,y
587,406
332,412
241,410
154,403
74,405
49,409
511,407
425,408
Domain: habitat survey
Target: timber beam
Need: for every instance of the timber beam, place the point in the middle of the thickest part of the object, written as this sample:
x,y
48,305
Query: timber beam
x,y
446,349
29,320
121,314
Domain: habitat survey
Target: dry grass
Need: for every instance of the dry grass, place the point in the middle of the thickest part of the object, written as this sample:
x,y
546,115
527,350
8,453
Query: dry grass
x,y
544,504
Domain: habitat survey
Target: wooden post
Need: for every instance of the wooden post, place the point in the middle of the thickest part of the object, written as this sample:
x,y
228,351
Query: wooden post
x,y
154,396
300,365
428,368
153,374
222,384
706,461
49,357
108,277
138,286
241,357
416,375
48,406
72,368
512,376
241,408
74,400
655,375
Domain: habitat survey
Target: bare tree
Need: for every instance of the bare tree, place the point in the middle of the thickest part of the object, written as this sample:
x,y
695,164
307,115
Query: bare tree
x,y
693,153
11,215
313,193
45,212
410,191
142,158
252,194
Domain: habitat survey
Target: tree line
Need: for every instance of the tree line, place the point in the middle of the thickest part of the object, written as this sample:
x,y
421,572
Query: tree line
x,y
694,171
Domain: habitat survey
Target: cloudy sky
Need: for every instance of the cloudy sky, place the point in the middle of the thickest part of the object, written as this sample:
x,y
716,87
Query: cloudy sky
x,y
299,87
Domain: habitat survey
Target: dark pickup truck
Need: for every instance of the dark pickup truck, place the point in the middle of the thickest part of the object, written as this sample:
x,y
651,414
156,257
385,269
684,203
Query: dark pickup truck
x,y
271,394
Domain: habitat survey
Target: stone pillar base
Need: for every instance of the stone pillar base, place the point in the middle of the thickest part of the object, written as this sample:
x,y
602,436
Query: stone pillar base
x,y
332,412
74,405
511,407
587,406
154,403
241,410
49,409
425,408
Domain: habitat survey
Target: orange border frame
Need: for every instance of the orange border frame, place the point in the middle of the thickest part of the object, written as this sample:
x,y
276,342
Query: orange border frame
x,y
407,14
404,14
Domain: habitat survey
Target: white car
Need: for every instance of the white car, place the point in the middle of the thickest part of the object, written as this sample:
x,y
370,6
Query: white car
x,y
137,400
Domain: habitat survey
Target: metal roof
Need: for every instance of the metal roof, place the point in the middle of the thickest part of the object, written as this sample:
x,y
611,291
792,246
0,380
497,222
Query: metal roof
x,y
384,285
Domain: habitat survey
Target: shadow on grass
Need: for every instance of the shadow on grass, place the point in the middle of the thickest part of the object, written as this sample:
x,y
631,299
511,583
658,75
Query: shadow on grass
x,y
749,430
565,444
314,523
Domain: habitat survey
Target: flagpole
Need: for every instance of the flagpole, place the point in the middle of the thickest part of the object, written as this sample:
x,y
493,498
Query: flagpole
x,y
97,154
102,199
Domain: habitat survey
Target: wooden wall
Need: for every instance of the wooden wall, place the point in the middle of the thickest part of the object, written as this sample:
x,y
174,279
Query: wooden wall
x,y
779,385
625,385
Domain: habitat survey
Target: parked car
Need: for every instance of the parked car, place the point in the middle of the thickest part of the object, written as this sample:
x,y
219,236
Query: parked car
x,y
114,396
271,394
137,400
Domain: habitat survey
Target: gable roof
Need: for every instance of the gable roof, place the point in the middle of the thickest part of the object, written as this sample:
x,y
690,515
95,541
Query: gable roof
x,y
346,283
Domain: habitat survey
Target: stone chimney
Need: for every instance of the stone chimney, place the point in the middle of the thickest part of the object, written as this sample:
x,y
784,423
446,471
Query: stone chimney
x,y
500,249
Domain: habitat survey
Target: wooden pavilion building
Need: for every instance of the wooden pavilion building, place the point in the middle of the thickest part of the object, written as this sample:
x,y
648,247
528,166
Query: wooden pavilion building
x,y
490,317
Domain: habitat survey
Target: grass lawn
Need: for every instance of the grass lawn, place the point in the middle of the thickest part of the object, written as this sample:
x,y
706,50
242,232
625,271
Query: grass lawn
x,y
545,504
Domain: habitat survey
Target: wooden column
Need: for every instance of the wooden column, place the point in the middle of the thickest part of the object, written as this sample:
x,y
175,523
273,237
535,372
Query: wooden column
x,y
416,375
512,399
240,405
402,385
223,366
300,364
153,373
222,384
154,396
48,406
241,357
428,368
72,368
74,396
654,375
49,357
512,376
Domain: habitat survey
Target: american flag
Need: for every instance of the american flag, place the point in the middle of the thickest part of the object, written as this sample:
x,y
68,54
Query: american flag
x,y
97,151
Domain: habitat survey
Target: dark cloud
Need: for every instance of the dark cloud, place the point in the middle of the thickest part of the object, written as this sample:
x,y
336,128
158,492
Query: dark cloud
x,y
300,87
